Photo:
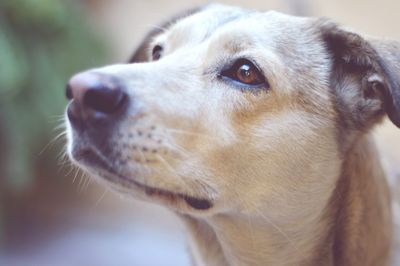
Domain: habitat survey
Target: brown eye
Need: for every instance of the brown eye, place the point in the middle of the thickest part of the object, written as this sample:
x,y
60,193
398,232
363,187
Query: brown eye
x,y
156,53
244,72
247,74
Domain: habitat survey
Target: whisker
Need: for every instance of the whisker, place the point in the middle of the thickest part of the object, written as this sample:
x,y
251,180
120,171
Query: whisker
x,y
278,229
62,157
161,159
81,180
57,118
177,149
100,199
61,126
70,170
251,233
141,154
51,142
76,174
169,143
85,186
186,132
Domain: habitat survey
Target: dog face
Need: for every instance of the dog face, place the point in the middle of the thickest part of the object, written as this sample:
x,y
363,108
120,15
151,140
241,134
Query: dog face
x,y
233,111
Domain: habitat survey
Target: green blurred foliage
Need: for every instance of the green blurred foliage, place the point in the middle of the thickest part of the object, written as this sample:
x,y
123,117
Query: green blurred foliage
x,y
42,43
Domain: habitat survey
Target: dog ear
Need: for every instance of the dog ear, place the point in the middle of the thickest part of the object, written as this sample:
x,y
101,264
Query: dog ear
x,y
141,53
365,77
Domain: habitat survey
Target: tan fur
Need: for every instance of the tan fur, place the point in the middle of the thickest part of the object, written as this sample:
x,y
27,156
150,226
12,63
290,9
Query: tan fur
x,y
362,201
291,172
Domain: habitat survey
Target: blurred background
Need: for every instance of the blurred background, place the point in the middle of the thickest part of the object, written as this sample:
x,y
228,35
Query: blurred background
x,y
52,215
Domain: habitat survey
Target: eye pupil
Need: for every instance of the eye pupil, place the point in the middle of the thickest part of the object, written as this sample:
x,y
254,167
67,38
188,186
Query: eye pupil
x,y
248,74
245,72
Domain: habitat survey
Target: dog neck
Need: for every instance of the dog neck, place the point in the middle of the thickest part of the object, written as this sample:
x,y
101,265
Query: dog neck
x,y
352,229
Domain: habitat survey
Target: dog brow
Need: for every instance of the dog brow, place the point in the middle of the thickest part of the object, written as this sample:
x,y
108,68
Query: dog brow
x,y
140,54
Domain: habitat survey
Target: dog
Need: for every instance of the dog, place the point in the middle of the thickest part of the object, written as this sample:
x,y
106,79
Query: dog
x,y
254,128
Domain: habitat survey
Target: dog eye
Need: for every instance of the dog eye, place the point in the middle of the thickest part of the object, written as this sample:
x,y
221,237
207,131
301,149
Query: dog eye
x,y
156,53
244,72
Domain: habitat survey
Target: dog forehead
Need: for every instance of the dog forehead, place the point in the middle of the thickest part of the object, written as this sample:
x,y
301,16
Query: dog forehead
x,y
216,20
199,26
270,28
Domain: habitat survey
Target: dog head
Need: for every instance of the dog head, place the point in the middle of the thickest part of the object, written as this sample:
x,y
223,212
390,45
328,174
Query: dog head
x,y
233,109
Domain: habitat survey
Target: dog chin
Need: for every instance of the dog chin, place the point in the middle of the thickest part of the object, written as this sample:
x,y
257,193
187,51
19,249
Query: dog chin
x,y
93,163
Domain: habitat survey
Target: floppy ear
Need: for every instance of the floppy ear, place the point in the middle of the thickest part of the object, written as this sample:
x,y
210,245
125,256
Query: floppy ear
x,y
141,53
365,77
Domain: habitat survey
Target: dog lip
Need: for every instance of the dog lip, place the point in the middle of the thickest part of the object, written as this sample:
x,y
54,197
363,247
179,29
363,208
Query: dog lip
x,y
88,156
196,203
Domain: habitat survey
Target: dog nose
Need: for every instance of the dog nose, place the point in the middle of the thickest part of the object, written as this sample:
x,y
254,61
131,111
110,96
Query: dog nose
x,y
94,95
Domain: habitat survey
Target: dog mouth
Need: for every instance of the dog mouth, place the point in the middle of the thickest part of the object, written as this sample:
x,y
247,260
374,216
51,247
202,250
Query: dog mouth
x,y
89,157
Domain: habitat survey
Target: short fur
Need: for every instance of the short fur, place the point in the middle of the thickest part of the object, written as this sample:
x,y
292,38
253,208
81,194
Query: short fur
x,y
281,176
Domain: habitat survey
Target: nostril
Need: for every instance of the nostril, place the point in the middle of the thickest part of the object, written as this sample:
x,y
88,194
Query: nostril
x,y
68,92
95,98
104,99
